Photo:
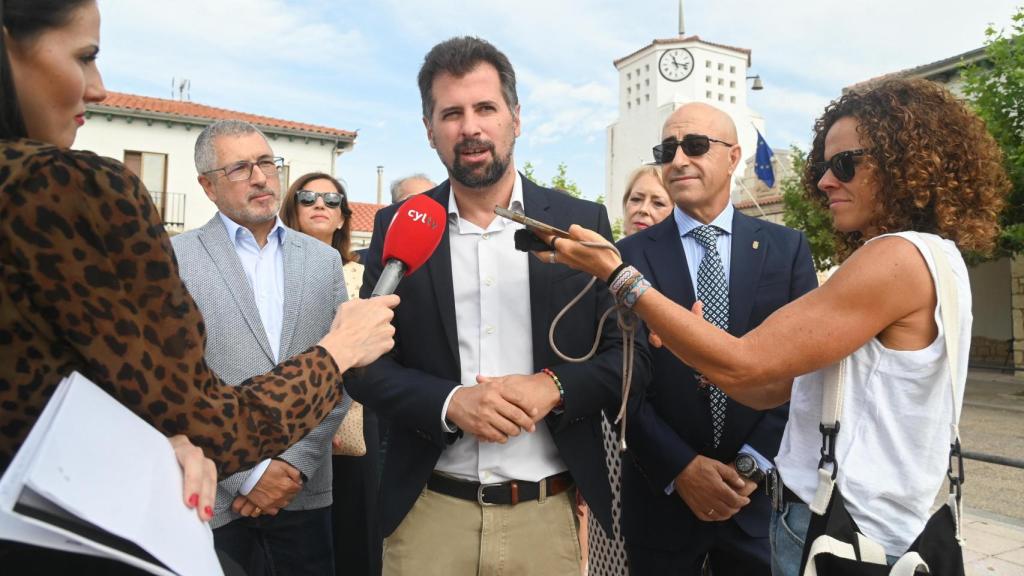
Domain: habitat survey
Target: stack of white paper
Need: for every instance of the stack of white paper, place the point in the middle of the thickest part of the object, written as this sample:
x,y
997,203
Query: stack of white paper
x,y
94,478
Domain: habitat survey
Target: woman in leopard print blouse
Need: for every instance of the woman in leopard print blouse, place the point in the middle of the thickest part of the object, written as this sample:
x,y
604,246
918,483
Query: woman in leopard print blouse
x,y
88,281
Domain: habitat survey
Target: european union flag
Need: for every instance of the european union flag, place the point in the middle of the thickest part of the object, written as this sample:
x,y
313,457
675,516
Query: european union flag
x,y
763,162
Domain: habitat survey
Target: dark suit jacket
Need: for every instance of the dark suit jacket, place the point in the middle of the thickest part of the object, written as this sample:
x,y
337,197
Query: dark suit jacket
x,y
771,266
410,385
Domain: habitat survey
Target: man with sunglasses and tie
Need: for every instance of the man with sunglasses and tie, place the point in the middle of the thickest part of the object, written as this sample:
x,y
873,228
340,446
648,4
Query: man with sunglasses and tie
x,y
266,293
696,495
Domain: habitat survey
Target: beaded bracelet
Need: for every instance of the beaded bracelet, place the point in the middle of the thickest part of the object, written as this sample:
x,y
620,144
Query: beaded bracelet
x,y
627,286
635,292
622,278
558,383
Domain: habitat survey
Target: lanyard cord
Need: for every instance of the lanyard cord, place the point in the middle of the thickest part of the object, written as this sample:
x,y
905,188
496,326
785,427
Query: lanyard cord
x,y
627,321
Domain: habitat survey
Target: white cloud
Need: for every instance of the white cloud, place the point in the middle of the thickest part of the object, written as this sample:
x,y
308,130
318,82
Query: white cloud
x,y
352,63
554,110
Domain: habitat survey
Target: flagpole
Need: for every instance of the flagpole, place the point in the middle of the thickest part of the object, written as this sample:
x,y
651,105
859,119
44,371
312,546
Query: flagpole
x,y
748,193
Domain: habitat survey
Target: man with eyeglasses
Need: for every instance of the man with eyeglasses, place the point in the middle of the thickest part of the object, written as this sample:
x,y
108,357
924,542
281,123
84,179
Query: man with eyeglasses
x,y
266,292
696,495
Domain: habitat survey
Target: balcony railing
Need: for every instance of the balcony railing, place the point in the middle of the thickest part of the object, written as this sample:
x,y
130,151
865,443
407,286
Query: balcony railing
x,y
172,209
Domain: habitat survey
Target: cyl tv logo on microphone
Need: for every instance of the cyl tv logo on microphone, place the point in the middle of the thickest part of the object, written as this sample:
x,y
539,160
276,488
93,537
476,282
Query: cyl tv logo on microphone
x,y
422,217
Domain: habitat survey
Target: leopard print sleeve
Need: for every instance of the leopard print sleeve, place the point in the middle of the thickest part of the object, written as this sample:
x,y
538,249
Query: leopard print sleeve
x,y
88,282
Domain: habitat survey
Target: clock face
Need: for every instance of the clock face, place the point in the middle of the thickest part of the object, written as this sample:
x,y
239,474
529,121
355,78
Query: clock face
x,y
676,64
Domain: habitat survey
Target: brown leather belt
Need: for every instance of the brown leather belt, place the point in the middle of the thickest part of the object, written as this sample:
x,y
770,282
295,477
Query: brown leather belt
x,y
503,493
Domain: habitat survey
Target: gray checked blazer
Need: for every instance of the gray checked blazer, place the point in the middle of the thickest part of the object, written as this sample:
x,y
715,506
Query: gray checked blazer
x,y
237,347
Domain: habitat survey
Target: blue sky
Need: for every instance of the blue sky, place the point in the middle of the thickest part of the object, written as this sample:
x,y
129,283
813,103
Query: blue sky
x,y
352,64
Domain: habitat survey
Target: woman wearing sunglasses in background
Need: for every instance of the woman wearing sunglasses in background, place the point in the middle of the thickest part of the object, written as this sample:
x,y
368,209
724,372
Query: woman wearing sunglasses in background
x,y
317,204
88,283
902,158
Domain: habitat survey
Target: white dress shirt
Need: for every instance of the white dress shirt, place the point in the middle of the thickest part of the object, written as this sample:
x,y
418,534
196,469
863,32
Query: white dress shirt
x,y
264,269
491,283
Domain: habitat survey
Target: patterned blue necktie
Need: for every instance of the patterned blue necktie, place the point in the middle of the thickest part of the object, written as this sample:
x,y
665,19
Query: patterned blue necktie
x,y
713,291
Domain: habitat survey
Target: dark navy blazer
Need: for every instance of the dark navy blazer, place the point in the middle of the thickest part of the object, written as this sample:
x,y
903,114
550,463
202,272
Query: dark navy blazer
x,y
771,266
409,386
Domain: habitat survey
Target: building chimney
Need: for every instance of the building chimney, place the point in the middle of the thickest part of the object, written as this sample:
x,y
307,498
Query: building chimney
x,y
380,185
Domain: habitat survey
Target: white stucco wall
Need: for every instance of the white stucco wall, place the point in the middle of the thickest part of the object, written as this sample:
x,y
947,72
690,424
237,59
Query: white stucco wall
x,y
646,100
113,137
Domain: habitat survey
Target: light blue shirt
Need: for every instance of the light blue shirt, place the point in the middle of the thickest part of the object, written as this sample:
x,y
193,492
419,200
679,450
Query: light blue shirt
x,y
694,252
264,269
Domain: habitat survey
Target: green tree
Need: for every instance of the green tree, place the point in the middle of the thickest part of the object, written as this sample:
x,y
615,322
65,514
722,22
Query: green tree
x,y
560,181
617,229
801,214
995,87
528,171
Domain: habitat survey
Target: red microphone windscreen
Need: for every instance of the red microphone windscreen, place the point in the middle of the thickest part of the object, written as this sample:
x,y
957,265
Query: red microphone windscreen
x,y
415,232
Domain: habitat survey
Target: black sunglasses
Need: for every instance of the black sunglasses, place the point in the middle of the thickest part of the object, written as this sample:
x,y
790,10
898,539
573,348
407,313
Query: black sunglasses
x,y
308,198
693,145
843,165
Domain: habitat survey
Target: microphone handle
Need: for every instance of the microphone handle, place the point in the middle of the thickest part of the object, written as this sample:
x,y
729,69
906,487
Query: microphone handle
x,y
389,278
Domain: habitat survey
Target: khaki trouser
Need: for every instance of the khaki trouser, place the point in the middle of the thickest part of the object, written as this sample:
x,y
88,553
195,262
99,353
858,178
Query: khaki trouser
x,y
446,536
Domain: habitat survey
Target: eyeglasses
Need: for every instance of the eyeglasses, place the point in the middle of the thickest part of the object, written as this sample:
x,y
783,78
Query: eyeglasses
x,y
693,145
842,164
243,170
308,198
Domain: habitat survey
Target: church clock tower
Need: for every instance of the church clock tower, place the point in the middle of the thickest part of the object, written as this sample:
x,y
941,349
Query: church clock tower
x,y
659,78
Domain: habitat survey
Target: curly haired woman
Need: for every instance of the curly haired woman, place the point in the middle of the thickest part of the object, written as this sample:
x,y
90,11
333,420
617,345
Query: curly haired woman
x,y
895,164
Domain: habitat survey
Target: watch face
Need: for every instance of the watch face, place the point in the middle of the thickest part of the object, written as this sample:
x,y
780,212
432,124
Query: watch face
x,y
676,64
745,464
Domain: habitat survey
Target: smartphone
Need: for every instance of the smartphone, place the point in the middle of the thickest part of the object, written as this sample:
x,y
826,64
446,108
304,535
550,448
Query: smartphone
x,y
530,223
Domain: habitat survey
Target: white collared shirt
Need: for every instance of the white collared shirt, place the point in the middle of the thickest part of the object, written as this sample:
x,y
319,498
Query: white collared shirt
x,y
491,284
264,269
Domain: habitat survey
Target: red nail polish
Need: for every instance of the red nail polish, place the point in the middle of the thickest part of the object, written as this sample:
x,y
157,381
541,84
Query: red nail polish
x,y
193,500
208,511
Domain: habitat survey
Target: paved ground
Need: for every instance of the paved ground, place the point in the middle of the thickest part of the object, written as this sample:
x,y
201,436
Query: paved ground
x,y
993,548
993,422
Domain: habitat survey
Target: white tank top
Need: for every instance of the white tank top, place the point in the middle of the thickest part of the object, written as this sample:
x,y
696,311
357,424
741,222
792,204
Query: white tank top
x,y
894,432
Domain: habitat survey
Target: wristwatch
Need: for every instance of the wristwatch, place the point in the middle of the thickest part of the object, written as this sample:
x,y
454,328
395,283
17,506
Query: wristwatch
x,y
747,467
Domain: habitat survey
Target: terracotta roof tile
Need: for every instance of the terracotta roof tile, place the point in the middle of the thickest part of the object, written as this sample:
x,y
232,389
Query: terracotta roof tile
x,y
765,201
362,215
120,100
679,39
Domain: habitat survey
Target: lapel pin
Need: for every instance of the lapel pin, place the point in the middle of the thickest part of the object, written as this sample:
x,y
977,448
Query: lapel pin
x,y
755,245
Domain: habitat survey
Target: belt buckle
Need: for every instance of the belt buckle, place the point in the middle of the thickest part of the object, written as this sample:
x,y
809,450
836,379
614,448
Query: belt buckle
x,y
480,494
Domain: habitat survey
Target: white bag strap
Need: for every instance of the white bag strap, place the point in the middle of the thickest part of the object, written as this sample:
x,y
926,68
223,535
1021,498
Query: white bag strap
x,y
949,308
831,410
870,552
910,564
